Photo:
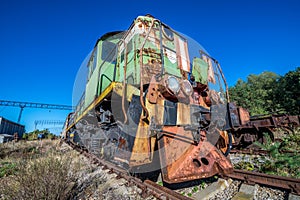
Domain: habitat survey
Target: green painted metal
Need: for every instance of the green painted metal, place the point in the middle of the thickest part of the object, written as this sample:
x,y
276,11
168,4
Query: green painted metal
x,y
199,71
101,67
128,46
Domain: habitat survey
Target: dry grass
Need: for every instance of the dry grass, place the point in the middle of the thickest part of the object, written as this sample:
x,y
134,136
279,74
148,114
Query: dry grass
x,y
37,171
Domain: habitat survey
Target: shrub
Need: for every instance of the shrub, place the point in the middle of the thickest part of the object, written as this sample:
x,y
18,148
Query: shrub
x,y
49,177
285,158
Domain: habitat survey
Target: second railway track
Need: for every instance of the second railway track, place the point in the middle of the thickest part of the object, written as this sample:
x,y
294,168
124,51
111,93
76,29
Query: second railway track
x,y
290,184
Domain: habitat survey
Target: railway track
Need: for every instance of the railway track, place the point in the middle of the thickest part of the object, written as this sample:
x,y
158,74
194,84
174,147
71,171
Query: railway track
x,y
249,151
150,188
292,185
254,151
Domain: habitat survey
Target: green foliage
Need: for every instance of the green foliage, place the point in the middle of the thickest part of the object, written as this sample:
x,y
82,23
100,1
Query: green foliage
x,y
195,189
244,165
34,134
203,184
7,168
25,136
160,183
287,94
268,92
291,143
269,145
282,162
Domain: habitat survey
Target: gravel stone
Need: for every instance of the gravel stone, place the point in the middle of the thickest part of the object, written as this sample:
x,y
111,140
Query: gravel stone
x,y
265,193
229,192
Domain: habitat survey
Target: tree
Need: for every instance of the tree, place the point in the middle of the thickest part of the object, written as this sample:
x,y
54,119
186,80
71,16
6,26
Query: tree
x,y
256,94
287,93
34,134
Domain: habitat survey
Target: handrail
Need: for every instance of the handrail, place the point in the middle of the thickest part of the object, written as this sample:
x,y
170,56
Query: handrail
x,y
161,53
101,80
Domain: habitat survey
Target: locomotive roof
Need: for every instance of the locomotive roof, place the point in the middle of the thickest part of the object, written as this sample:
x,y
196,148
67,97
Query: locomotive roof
x,y
107,35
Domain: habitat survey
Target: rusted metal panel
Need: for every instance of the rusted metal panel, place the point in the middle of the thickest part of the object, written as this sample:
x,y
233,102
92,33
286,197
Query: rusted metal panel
x,y
143,149
244,115
182,53
183,160
183,114
234,115
211,74
154,91
223,141
272,121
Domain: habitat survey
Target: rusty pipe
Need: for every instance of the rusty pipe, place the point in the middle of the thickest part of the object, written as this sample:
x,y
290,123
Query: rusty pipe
x,y
141,74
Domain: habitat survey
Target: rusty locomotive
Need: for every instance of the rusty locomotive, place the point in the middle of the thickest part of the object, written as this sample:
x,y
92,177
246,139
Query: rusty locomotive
x,y
155,101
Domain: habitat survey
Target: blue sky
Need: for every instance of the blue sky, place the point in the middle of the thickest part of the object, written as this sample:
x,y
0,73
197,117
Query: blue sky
x,y
43,42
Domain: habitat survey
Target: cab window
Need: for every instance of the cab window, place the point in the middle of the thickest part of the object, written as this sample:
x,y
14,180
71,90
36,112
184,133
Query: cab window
x,y
109,51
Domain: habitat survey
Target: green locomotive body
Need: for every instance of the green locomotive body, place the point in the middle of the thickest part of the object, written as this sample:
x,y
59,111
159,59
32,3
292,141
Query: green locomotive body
x,y
154,100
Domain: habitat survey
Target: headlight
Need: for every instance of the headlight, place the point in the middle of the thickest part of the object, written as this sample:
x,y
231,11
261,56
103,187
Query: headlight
x,y
173,84
186,87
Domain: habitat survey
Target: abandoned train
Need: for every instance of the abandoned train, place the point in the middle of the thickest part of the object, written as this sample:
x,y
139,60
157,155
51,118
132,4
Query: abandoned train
x,y
155,100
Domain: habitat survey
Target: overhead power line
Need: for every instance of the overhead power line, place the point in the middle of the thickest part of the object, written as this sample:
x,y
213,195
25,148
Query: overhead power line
x,y
48,122
23,105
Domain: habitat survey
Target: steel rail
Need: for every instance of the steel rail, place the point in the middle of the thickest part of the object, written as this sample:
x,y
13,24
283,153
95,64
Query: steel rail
x,y
290,184
147,187
257,151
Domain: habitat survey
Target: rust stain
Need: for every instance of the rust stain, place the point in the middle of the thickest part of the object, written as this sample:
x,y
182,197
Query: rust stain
x,y
187,161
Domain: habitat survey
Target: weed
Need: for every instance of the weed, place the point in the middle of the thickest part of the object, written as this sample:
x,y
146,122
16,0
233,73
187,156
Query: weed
x,y
195,189
244,165
160,183
283,163
202,184
7,168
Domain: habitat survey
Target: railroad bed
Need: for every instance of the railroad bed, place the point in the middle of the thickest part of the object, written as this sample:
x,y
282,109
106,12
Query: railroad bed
x,y
111,182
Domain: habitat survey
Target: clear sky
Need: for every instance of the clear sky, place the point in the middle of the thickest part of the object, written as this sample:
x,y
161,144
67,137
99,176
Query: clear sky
x,y
43,42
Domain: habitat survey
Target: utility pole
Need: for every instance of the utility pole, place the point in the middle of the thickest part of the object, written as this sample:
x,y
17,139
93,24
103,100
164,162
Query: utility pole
x,y
20,114
22,105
